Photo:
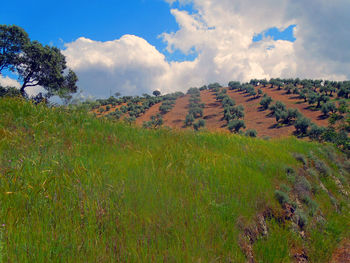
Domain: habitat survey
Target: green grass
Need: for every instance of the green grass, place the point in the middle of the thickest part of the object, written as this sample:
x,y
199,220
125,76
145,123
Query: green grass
x,y
74,188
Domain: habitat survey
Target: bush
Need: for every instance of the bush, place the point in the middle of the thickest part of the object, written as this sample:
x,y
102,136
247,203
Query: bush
x,y
316,132
328,107
322,168
199,124
189,120
236,125
164,108
281,197
234,85
301,219
108,108
301,125
251,133
278,106
265,102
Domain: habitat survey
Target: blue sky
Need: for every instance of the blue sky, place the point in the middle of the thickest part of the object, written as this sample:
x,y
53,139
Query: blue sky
x,y
121,45
59,22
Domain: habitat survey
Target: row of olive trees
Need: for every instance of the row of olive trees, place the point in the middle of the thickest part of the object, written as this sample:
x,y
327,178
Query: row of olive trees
x,y
195,110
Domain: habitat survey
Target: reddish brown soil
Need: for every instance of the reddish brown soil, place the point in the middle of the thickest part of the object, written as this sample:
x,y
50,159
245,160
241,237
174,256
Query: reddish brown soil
x,y
255,118
174,119
112,109
342,254
153,110
213,112
292,101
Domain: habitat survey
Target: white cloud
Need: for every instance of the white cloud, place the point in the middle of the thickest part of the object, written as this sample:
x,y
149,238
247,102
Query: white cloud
x,y
221,33
6,81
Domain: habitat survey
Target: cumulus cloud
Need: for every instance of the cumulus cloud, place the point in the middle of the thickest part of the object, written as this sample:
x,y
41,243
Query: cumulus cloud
x,y
6,81
221,33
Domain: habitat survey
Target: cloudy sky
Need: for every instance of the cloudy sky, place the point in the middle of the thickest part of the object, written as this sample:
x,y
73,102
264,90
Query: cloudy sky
x,y
137,46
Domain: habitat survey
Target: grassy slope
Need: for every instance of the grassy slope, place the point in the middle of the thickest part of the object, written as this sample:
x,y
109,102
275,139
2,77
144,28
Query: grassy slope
x,y
75,188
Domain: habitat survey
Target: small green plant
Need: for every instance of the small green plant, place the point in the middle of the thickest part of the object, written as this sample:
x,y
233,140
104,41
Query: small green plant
x,y
265,102
199,124
301,125
251,133
281,197
236,125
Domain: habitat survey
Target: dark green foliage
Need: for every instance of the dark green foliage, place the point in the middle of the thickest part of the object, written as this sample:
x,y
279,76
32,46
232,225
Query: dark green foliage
x,y
193,91
196,112
322,167
251,133
228,102
265,102
278,106
234,85
301,219
124,109
9,92
165,108
156,93
290,116
189,120
301,158
328,107
214,86
289,88
231,112
236,125
44,66
316,132
155,122
13,39
199,124
108,108
281,197
301,125
129,120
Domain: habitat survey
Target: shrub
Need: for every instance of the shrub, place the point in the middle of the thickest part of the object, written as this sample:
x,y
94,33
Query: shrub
x,y
278,106
313,206
301,158
234,85
108,108
199,124
227,101
322,168
316,132
301,125
328,107
123,109
164,108
251,133
100,110
189,120
265,102
236,125
196,112
301,219
281,197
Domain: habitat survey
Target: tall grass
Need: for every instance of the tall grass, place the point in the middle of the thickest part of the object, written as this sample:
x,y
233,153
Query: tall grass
x,y
74,188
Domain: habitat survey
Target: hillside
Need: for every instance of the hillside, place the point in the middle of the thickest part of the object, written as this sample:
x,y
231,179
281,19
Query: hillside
x,y
75,188
255,118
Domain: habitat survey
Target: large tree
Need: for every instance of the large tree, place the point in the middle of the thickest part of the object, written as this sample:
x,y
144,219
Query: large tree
x,y
12,41
36,65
